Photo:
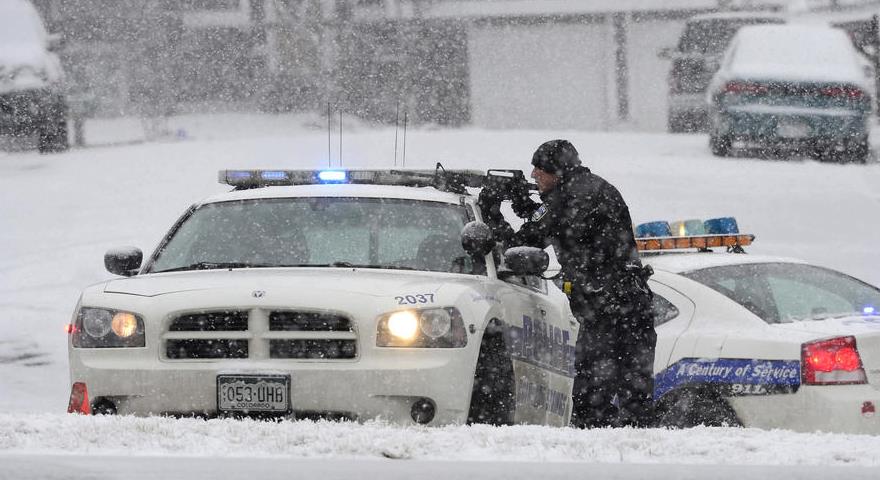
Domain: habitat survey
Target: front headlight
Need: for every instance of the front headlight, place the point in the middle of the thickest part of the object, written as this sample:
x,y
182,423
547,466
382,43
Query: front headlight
x,y
106,328
428,328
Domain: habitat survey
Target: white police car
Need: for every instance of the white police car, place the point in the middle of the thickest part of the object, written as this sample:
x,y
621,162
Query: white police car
x,y
340,294
759,341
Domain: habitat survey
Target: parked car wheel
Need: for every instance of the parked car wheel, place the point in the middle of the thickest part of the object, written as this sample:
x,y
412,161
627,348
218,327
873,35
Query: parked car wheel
x,y
52,133
720,145
857,152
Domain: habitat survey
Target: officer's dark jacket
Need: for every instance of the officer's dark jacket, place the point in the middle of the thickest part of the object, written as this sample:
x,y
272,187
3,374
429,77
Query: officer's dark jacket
x,y
589,226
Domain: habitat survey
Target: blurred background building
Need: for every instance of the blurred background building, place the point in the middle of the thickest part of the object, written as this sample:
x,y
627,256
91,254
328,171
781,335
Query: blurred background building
x,y
555,64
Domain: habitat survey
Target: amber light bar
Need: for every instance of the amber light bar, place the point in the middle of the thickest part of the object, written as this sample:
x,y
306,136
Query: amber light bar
x,y
700,242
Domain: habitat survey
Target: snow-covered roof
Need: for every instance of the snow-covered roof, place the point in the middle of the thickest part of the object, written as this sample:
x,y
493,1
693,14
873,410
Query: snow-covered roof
x,y
810,53
681,262
470,8
341,190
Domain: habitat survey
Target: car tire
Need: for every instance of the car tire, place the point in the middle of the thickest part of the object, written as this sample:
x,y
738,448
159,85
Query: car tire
x,y
692,407
492,397
857,152
720,145
52,132
674,124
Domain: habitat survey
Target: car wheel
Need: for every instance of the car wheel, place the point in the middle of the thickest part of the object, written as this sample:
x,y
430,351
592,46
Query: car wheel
x,y
492,397
675,125
720,145
693,407
857,152
53,133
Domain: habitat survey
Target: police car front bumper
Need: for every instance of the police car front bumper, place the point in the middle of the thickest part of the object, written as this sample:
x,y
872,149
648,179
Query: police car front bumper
x,y
383,384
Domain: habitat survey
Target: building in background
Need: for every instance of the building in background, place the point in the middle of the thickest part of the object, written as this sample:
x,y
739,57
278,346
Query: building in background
x,y
560,64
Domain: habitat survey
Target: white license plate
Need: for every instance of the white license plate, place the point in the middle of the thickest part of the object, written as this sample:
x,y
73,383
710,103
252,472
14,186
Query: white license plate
x,y
792,130
253,393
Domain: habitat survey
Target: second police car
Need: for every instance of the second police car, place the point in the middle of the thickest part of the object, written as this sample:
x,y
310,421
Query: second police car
x,y
340,294
758,341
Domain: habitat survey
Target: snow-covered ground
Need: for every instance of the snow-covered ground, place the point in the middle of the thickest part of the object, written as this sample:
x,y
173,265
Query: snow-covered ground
x,y
60,213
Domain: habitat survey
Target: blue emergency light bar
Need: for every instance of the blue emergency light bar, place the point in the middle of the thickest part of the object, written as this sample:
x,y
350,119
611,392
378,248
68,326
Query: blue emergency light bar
x,y
447,180
653,229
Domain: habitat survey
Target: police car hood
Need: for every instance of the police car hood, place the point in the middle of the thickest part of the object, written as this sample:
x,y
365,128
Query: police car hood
x,y
335,281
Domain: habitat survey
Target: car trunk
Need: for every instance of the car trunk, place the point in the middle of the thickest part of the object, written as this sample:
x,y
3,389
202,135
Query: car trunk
x,y
865,329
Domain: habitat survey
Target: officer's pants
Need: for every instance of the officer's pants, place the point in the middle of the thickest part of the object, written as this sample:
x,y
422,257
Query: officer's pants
x,y
614,361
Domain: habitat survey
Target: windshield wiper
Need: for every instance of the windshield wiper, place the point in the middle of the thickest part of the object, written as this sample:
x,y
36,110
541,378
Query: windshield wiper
x,y
225,265
217,266
366,265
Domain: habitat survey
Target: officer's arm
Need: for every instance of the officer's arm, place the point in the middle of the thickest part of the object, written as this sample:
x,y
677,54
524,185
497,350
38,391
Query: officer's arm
x,y
533,233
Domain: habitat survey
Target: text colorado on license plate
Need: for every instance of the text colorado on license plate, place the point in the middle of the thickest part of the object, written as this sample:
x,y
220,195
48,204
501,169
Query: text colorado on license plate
x,y
253,393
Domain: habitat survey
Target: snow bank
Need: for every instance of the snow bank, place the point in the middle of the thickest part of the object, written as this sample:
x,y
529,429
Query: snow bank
x,y
111,436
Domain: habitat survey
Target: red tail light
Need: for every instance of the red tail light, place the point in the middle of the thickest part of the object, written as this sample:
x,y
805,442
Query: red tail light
x,y
746,88
834,361
845,92
79,399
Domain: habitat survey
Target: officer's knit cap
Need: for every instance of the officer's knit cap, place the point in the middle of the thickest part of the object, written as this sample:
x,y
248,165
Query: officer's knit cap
x,y
557,157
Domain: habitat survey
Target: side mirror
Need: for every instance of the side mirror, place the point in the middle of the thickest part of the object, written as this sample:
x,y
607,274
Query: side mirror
x,y
665,53
56,42
123,261
526,260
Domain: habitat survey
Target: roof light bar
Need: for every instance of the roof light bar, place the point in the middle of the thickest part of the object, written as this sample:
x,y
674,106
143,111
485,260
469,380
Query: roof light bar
x,y
447,180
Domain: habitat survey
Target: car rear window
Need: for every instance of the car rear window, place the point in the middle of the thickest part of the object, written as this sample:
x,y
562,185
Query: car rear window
x,y
790,292
794,46
712,36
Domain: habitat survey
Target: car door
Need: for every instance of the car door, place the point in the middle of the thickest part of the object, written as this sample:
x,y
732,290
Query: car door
x,y
531,349
555,309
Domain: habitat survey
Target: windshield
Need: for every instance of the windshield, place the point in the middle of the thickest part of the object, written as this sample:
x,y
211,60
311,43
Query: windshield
x,y
326,232
790,292
712,36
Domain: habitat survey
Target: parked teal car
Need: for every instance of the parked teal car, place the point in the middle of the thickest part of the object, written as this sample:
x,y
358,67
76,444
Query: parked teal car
x,y
792,88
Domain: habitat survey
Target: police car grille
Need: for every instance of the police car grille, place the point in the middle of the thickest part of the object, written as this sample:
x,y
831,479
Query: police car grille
x,y
313,349
292,321
206,349
259,334
223,321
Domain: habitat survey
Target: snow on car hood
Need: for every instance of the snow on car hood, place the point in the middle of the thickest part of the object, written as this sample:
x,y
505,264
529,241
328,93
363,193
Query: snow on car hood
x,y
371,282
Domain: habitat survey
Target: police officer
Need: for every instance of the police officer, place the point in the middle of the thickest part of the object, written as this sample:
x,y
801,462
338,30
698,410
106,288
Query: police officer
x,y
586,220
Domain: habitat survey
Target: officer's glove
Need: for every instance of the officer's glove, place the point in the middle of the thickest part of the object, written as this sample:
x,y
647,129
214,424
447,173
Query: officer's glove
x,y
489,202
521,200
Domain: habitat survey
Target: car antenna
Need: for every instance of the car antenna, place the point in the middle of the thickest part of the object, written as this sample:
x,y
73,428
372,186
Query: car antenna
x,y
340,138
329,128
396,129
403,164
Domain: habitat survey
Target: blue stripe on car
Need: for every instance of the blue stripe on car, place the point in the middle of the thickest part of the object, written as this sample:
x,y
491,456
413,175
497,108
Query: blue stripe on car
x,y
737,376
